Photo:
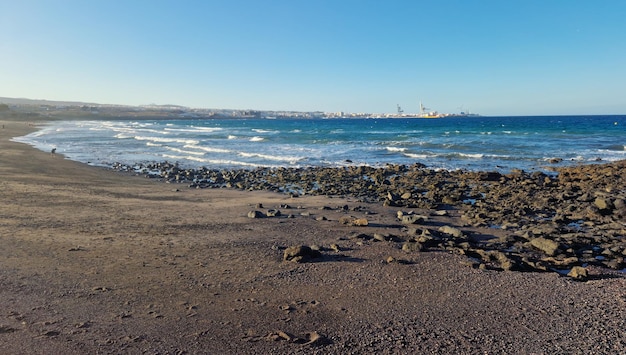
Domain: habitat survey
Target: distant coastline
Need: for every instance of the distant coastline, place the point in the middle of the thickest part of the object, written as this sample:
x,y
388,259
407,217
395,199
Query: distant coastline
x,y
88,110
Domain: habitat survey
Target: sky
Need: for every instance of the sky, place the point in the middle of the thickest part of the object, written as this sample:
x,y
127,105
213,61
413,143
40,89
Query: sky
x,y
492,57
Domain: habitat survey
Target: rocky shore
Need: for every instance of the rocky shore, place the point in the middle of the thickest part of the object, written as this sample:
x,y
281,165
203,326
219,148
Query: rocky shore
x,y
562,221
357,260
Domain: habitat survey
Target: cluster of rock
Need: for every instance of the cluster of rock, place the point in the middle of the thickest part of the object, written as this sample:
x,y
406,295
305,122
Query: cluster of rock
x,y
569,217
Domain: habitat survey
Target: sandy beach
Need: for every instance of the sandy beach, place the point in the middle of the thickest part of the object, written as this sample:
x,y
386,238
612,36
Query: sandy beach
x,y
95,261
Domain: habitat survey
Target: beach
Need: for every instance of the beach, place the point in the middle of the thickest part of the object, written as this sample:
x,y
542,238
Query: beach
x,y
94,260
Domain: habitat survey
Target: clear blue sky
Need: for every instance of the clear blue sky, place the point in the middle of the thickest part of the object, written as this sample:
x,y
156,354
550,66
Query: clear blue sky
x,y
494,57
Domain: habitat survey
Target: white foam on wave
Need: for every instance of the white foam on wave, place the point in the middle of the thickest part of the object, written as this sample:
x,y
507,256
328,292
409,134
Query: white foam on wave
x,y
185,157
396,149
166,140
289,159
150,144
134,130
257,139
259,130
472,156
207,149
178,150
218,162
195,129
230,136
419,156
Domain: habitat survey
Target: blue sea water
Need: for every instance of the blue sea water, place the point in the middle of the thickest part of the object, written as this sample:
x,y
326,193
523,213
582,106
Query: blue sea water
x,y
471,143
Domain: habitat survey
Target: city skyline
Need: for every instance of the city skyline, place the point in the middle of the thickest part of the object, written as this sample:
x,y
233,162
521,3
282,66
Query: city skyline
x,y
488,57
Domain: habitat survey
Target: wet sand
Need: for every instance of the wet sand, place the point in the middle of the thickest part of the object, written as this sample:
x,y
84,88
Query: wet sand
x,y
97,261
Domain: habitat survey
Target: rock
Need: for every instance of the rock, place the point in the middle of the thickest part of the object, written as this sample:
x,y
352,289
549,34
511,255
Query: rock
x,y
345,220
412,219
360,222
315,339
406,196
335,247
390,260
273,213
548,246
412,246
578,273
603,204
351,221
455,232
255,214
490,176
392,197
379,237
300,254
505,262
362,236
565,262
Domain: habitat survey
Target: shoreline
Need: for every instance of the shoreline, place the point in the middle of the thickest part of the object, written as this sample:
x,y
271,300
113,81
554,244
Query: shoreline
x,y
97,261
194,147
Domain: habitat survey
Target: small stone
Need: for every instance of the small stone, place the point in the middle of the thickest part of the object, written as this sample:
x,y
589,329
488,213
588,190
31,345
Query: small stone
x,y
300,253
255,214
360,222
273,213
351,221
455,232
578,273
379,237
412,246
603,204
345,220
315,339
412,219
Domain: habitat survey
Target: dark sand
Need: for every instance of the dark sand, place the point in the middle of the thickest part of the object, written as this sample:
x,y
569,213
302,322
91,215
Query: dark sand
x,y
97,262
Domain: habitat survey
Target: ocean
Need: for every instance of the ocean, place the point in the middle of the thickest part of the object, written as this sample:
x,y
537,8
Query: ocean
x,y
470,143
